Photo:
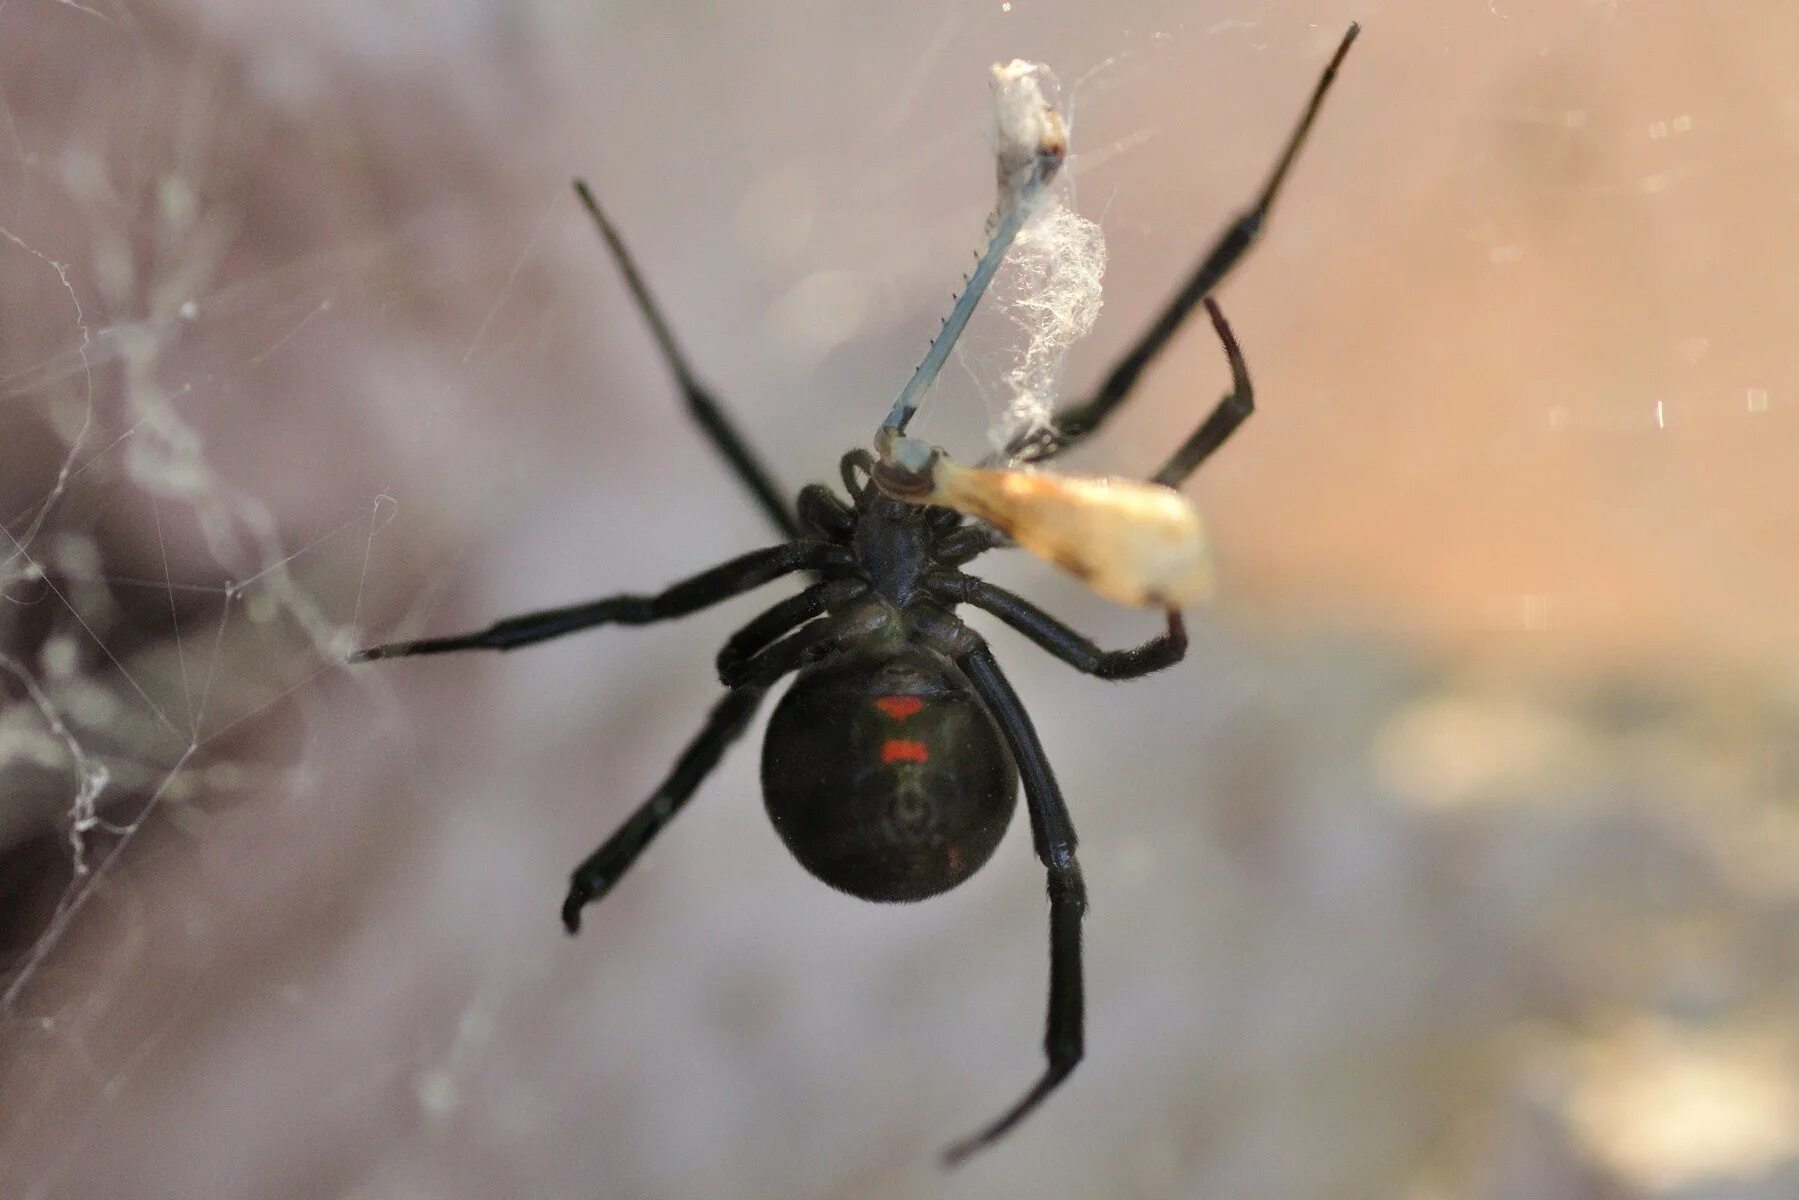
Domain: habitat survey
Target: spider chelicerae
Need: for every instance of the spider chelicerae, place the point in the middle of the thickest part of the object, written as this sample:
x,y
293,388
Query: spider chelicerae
x,y
891,767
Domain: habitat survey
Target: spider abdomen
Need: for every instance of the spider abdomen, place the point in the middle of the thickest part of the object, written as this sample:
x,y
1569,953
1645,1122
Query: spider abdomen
x,y
885,776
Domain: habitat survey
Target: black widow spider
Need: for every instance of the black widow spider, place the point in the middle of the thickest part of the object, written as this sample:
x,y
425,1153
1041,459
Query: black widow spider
x,y
891,767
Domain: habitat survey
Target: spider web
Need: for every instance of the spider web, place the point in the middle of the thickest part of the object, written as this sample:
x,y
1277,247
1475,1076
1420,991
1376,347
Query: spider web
x,y
155,613
171,620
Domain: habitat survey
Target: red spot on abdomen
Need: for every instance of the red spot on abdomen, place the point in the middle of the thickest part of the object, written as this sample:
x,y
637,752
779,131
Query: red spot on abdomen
x,y
899,707
898,750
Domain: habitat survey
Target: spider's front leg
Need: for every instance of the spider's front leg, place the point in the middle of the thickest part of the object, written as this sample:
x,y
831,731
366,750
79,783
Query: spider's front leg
x,y
601,869
711,587
1229,413
1052,833
705,409
1075,423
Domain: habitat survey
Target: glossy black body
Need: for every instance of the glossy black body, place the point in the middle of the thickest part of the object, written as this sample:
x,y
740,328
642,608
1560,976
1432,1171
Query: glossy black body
x,y
886,777
881,769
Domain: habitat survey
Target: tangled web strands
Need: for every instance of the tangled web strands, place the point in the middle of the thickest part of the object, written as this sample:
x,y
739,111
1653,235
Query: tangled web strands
x,y
1051,288
1050,291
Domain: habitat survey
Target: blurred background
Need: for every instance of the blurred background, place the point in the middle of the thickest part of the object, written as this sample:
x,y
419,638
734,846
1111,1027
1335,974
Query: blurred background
x,y
1459,860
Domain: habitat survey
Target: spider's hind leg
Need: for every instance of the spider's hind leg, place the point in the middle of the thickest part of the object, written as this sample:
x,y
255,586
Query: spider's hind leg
x,y
766,661
1052,833
601,869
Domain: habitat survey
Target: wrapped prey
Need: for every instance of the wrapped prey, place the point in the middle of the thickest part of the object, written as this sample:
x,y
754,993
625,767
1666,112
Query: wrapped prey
x,y
1135,543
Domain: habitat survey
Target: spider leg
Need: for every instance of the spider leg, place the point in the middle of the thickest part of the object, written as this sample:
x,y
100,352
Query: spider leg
x,y
1052,833
596,875
704,407
1052,635
822,514
761,633
690,595
1072,425
801,648
1224,419
968,543
729,717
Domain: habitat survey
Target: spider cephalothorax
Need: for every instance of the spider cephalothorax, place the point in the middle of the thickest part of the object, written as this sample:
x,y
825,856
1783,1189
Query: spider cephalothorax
x,y
891,767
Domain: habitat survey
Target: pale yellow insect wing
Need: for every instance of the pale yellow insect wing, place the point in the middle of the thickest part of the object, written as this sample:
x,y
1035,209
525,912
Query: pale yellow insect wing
x,y
1135,543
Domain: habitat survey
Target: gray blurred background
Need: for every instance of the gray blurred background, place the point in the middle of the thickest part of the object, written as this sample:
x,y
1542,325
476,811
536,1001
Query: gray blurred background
x,y
1459,860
